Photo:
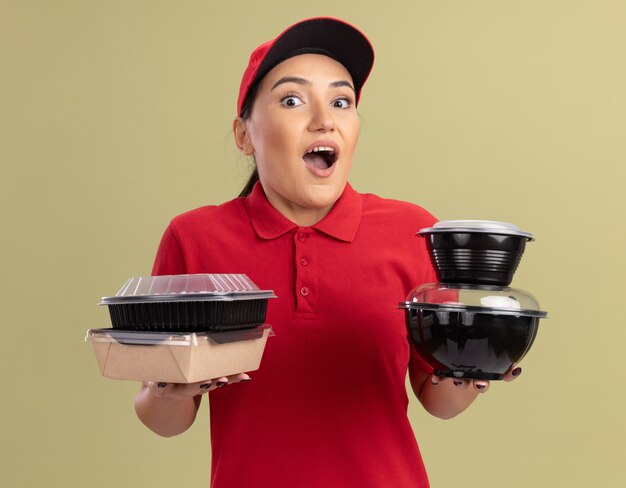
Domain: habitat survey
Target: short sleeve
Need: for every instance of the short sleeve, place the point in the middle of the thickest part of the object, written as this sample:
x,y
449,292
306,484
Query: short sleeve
x,y
170,259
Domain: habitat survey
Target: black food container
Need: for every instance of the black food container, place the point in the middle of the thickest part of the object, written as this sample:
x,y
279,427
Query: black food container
x,y
475,332
480,252
188,303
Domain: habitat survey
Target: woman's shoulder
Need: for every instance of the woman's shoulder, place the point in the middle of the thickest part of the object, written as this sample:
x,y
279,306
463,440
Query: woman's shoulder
x,y
399,210
210,214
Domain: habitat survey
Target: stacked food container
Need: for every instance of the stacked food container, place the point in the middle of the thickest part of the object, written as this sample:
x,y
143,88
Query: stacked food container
x,y
183,328
471,324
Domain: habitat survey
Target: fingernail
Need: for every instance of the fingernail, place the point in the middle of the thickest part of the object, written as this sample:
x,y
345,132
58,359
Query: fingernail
x,y
434,381
220,384
516,371
457,382
161,385
206,386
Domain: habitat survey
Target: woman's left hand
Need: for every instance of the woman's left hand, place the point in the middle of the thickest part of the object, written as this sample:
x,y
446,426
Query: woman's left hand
x,y
480,386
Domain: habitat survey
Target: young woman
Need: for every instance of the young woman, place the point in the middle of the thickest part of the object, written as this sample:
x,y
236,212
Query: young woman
x,y
328,407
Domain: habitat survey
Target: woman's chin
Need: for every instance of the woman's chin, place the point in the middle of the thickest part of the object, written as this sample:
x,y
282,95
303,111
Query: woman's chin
x,y
325,195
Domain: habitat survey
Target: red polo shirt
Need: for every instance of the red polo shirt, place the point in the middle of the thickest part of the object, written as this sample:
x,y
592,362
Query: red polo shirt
x,y
328,407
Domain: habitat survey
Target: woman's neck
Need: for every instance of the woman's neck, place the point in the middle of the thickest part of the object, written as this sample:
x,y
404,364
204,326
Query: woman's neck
x,y
298,214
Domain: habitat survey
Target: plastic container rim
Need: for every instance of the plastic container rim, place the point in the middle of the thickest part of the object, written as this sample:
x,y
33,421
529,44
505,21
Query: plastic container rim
x,y
475,227
189,297
450,307
176,339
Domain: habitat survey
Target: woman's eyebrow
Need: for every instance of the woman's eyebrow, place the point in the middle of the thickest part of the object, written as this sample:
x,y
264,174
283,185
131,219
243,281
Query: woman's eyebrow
x,y
303,81
337,84
291,79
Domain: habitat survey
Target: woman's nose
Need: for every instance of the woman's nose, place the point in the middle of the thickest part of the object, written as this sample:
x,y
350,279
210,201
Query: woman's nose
x,y
321,118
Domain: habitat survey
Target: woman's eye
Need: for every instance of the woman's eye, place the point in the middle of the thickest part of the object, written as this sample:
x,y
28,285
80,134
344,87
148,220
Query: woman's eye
x,y
341,103
291,101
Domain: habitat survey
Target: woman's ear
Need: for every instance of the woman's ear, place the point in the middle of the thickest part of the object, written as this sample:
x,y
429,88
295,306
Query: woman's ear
x,y
242,140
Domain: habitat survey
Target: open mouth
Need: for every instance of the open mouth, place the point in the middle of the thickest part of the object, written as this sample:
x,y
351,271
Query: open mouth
x,y
321,157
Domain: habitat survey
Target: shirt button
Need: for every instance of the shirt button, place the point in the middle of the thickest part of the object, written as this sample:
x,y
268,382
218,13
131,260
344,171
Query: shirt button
x,y
304,291
302,236
303,261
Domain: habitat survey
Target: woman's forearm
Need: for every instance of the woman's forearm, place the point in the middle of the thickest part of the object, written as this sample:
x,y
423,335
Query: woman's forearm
x,y
166,416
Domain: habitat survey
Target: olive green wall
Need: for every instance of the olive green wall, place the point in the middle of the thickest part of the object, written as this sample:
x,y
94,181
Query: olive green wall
x,y
116,115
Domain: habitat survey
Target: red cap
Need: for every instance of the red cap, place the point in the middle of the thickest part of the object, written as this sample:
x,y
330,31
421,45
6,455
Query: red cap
x,y
320,35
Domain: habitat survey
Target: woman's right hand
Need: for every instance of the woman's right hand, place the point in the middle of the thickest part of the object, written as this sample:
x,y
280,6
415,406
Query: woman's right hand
x,y
169,409
185,390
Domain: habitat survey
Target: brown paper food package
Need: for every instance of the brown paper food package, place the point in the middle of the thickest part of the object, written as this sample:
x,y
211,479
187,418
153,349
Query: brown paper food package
x,y
179,358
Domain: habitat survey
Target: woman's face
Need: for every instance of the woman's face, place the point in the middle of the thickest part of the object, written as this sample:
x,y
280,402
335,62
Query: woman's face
x,y
303,131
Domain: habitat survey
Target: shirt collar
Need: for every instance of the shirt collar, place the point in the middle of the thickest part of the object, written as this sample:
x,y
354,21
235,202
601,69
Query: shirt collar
x,y
342,222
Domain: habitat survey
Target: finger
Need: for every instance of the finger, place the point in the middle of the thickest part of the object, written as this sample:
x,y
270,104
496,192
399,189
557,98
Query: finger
x,y
481,386
159,388
197,388
461,384
202,387
177,390
513,373
239,378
